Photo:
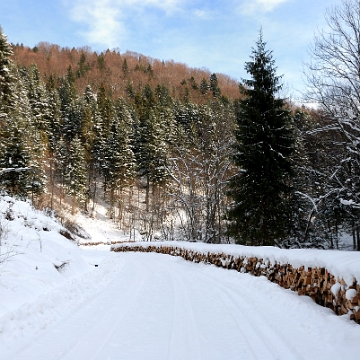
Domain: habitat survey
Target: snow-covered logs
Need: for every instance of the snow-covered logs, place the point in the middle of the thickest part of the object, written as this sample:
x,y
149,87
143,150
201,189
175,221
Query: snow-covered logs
x,y
93,243
315,282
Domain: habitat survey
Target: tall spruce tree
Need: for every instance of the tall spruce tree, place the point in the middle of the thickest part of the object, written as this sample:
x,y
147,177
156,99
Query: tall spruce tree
x,y
264,144
6,75
70,107
75,173
38,98
20,149
55,114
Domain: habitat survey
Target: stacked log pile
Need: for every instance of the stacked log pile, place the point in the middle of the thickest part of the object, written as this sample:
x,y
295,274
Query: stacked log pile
x,y
316,283
100,243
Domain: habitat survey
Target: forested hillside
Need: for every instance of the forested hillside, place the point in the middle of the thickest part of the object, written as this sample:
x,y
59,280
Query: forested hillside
x,y
125,74
150,139
154,142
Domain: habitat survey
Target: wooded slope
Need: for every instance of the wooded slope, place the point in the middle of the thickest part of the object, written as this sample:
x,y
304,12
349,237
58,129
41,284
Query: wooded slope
x,y
121,72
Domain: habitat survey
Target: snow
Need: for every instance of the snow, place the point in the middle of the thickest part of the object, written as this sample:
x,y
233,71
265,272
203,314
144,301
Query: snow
x,y
343,264
349,203
350,294
160,307
56,304
100,228
30,255
335,289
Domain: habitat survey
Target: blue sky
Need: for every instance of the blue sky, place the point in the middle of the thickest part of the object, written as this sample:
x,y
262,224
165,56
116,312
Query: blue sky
x,y
216,34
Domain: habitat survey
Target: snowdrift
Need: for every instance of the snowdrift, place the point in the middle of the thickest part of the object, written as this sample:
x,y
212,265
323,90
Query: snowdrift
x,y
43,274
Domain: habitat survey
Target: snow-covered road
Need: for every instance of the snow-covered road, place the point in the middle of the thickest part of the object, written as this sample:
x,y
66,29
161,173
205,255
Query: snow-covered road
x,y
161,307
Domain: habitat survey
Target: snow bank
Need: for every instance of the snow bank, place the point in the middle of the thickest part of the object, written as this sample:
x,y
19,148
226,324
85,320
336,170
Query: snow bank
x,y
43,275
101,229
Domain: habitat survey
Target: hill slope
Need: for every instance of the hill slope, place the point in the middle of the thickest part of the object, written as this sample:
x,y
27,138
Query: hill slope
x,y
119,71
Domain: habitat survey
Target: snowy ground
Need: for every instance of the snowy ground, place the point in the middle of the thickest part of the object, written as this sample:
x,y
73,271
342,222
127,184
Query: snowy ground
x,y
342,264
152,306
160,307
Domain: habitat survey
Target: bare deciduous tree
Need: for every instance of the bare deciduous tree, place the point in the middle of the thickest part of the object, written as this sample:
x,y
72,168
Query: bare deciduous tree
x,y
333,77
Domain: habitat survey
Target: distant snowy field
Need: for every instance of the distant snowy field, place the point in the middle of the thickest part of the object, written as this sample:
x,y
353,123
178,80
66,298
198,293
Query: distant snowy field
x,y
56,304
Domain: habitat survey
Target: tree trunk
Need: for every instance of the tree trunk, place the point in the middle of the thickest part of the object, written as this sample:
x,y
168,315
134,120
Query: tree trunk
x,y
147,192
73,202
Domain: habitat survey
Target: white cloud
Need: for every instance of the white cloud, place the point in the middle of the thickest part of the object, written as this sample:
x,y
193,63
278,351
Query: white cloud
x,y
169,6
204,14
252,6
105,19
102,20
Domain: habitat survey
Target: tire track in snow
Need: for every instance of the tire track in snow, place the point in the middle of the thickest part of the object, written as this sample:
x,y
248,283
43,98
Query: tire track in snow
x,y
248,351
260,333
182,305
259,329
240,327
112,319
183,286
160,307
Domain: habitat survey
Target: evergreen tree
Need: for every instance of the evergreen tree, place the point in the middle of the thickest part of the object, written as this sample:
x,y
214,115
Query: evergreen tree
x,y
124,134
6,75
119,161
125,67
214,85
105,108
152,148
20,149
204,86
37,177
99,141
75,172
7,100
193,83
151,136
162,94
264,144
15,156
38,99
70,107
87,122
61,156
83,66
55,115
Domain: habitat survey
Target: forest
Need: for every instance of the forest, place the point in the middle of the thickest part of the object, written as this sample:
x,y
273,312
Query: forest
x,y
166,148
